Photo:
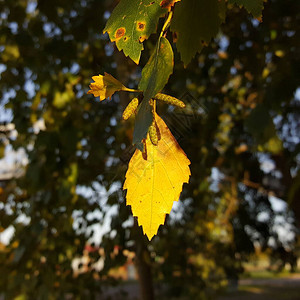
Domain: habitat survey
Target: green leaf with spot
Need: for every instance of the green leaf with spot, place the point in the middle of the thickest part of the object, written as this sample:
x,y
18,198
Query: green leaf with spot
x,y
255,7
155,76
196,22
132,22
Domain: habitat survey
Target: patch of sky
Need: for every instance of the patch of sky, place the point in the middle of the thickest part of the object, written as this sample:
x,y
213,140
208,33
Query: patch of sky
x,y
289,33
73,13
106,15
75,68
268,57
178,209
29,88
215,178
249,44
109,49
110,140
31,7
297,94
97,194
278,205
6,114
255,22
223,43
83,142
233,71
103,36
83,3
3,15
263,216
13,26
113,122
2,67
266,164
51,30
6,235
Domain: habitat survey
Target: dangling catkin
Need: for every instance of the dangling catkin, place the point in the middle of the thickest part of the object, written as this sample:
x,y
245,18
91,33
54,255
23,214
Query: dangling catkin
x,y
131,108
170,100
153,133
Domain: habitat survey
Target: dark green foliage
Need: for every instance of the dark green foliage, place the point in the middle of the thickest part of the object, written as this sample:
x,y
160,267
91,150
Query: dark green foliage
x,y
196,23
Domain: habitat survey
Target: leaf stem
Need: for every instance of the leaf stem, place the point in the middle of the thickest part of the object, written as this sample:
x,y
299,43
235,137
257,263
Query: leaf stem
x,y
131,90
166,24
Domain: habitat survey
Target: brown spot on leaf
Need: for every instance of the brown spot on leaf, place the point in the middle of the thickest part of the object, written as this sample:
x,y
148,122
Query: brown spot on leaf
x,y
144,153
142,38
141,26
120,32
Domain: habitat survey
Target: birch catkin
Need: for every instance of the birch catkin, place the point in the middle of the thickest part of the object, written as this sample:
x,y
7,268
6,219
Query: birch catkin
x,y
170,100
153,133
131,108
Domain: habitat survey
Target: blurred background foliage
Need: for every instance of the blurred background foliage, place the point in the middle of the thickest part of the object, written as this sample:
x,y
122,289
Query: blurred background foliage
x,y
240,130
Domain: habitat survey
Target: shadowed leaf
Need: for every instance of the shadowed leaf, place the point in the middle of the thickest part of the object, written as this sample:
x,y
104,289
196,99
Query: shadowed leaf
x,y
254,7
196,22
155,75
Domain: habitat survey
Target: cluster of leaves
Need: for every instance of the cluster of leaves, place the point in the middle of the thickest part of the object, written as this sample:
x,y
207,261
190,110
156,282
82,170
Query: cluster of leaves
x,y
249,72
194,23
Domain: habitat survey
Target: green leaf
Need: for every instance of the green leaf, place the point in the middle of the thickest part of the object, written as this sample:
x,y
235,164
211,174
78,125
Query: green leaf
x,y
155,76
132,22
158,69
254,7
196,22
143,121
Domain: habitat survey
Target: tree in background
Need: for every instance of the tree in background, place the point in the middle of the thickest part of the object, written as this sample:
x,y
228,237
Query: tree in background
x,y
244,149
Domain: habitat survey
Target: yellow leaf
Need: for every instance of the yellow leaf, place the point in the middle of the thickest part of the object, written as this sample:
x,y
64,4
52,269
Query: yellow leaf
x,y
154,179
105,86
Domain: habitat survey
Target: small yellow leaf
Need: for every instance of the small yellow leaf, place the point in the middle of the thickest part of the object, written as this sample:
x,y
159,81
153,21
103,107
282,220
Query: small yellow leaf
x,y
105,86
154,179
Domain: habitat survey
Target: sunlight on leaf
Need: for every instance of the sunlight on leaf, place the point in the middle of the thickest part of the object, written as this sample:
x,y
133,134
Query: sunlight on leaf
x,y
105,86
132,22
154,180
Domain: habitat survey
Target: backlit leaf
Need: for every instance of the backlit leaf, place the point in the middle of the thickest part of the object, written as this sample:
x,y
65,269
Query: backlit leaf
x,y
132,22
155,75
196,22
154,181
105,86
